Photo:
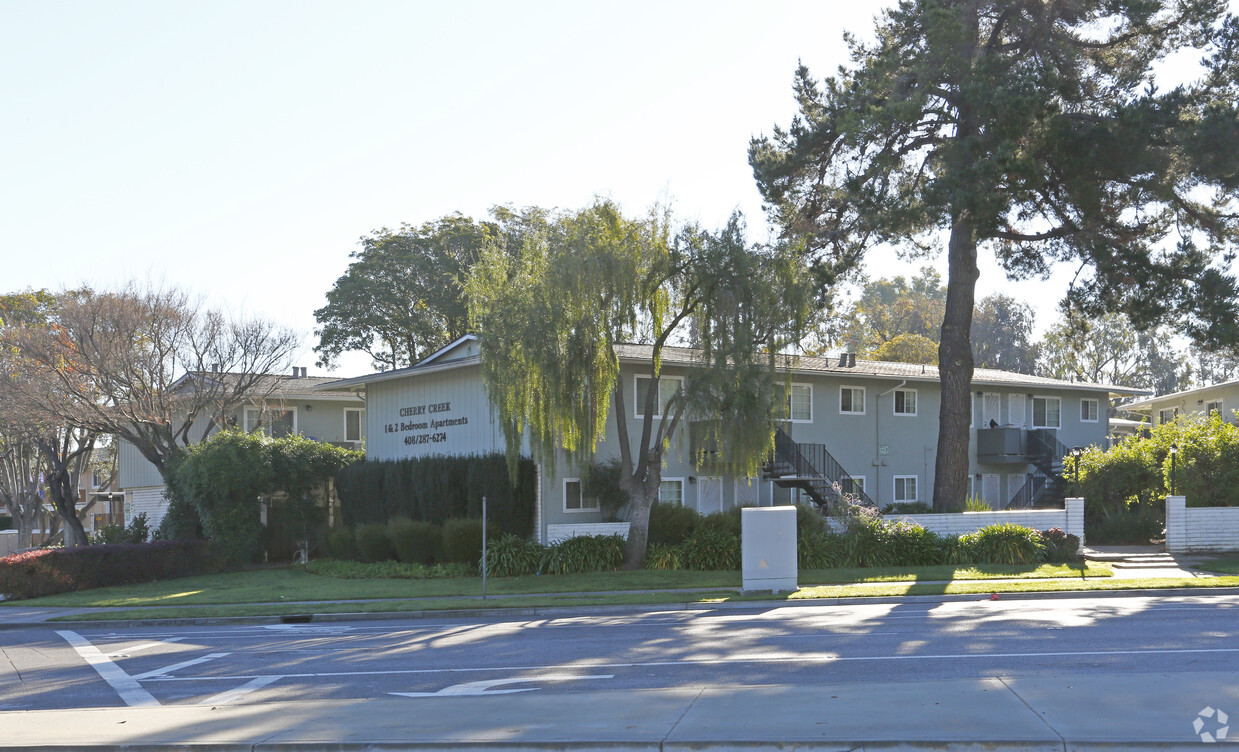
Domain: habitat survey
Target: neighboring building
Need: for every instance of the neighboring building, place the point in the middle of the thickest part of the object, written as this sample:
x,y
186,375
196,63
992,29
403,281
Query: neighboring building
x,y
288,405
874,423
1220,398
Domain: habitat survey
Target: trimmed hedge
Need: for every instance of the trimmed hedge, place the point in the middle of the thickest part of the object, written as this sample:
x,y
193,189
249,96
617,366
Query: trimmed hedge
x,y
437,489
58,570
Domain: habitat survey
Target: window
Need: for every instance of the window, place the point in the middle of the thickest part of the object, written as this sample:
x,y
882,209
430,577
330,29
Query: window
x,y
853,484
800,403
905,402
1213,407
668,386
275,422
1167,416
573,501
96,479
852,400
905,488
1088,410
1047,412
671,492
354,424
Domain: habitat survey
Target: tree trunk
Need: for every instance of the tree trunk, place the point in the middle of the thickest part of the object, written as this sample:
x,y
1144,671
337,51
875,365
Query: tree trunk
x,y
62,489
955,368
638,527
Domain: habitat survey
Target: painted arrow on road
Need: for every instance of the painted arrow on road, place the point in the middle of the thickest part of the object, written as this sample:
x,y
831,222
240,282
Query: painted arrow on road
x,y
481,687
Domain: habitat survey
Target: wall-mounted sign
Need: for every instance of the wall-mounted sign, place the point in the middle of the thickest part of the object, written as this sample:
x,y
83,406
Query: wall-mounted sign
x,y
428,425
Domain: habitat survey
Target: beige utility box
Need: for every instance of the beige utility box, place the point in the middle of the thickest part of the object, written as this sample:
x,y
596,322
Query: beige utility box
x,y
768,548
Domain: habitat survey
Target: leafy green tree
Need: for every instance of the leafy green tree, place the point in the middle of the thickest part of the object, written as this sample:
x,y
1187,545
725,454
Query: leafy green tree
x,y
890,307
1035,130
552,322
1108,350
1002,329
401,298
907,348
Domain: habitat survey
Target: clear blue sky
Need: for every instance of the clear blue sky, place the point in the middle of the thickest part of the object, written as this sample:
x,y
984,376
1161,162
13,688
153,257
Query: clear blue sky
x,y
239,149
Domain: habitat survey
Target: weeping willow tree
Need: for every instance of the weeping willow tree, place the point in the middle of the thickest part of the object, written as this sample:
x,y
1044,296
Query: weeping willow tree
x,y
551,321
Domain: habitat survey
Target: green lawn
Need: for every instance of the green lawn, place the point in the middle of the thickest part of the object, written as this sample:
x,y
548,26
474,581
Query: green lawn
x,y
293,585
1224,565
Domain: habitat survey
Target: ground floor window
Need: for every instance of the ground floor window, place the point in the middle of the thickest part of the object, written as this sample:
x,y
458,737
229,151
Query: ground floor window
x,y
275,422
905,488
671,491
574,501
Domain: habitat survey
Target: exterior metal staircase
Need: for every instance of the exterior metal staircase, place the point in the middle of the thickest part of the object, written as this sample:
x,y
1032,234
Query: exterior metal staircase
x,y
1047,486
811,468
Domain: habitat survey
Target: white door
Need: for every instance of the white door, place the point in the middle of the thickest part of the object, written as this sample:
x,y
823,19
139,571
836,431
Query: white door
x,y
1015,410
991,410
748,493
709,494
1015,481
990,490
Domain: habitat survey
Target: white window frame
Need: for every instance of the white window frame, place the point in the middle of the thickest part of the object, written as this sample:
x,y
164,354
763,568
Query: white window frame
x,y
1161,414
863,400
1047,398
260,409
1213,406
671,480
580,495
1096,410
916,483
792,389
916,401
859,480
638,402
361,424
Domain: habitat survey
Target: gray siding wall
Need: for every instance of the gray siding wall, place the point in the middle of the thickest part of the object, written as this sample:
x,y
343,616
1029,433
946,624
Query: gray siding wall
x,y
443,412
1195,402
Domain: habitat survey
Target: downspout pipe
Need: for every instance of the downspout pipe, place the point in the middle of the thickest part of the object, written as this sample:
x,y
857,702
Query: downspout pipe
x,y
877,439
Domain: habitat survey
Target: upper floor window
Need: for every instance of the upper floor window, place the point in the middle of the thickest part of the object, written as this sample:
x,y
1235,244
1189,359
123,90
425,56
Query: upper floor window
x,y
1047,412
905,402
354,424
852,400
1168,415
800,403
1088,410
668,387
275,422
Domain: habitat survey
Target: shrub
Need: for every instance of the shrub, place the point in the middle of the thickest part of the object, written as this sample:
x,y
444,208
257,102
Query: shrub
x,y
341,543
908,507
1060,547
1136,525
912,545
727,521
808,519
957,550
373,543
109,535
818,549
415,542
710,548
56,570
462,540
670,524
662,556
1005,543
977,504
584,553
138,530
511,556
180,521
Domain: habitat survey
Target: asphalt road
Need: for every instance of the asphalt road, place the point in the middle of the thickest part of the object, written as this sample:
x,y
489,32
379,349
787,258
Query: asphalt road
x,y
58,667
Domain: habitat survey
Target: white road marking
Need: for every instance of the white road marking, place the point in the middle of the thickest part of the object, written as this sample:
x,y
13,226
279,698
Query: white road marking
x,y
159,672
472,689
143,646
799,658
125,685
232,695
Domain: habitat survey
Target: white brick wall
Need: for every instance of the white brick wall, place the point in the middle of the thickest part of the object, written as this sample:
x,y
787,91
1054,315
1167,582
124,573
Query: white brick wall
x,y
556,533
1200,528
1070,520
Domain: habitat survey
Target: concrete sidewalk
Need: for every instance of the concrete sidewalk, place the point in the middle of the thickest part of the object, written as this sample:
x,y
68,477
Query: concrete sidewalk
x,y
1127,712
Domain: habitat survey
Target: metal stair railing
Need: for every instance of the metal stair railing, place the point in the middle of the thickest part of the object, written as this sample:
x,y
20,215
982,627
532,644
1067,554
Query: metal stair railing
x,y
813,463
1046,451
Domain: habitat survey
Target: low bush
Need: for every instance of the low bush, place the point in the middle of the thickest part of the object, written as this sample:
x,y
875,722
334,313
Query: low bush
x,y
341,543
809,518
1136,525
977,504
415,542
724,522
1004,543
818,549
670,524
373,543
57,570
662,556
462,540
1060,547
908,507
912,545
511,556
711,549
109,535
584,553
955,550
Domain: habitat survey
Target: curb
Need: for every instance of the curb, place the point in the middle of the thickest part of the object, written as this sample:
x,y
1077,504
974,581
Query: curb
x,y
544,611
